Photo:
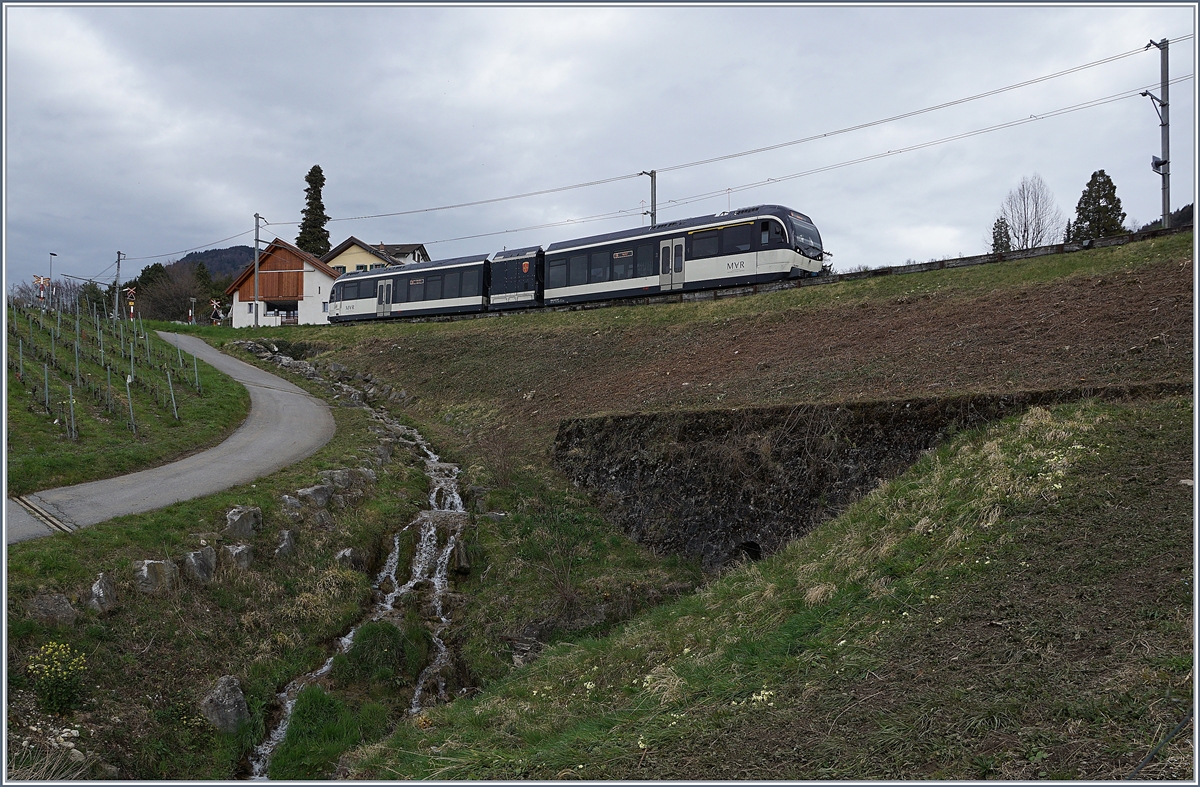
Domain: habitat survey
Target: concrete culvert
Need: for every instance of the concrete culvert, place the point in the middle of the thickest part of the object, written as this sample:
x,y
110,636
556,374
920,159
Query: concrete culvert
x,y
747,549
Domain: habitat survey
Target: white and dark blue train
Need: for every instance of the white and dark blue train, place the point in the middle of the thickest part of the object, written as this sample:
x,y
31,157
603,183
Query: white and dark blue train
x,y
740,247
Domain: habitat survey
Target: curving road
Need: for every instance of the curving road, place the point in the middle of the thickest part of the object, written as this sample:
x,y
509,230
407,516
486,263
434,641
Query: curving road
x,y
285,425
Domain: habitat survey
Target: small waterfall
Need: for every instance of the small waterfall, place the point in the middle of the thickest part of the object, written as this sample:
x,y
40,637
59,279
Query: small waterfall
x,y
429,564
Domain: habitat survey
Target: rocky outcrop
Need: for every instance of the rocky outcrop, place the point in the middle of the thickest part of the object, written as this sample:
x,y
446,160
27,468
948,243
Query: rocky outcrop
x,y
243,522
352,558
287,545
225,706
155,576
201,565
721,485
293,509
51,609
241,555
316,496
103,597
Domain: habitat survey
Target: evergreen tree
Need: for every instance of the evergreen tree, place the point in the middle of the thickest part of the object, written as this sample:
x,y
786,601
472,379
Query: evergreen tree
x,y
1098,213
313,237
1001,237
202,277
1067,232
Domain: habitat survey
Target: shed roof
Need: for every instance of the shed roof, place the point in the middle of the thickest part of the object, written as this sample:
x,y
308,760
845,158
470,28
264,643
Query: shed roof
x,y
248,271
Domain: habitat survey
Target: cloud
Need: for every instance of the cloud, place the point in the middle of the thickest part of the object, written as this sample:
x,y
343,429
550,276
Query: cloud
x,y
153,129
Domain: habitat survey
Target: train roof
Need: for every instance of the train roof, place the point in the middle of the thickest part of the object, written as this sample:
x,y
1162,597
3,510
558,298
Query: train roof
x,y
393,270
452,262
508,254
668,226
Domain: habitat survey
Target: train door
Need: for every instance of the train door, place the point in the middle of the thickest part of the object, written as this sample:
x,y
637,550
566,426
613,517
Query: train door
x,y
383,301
670,264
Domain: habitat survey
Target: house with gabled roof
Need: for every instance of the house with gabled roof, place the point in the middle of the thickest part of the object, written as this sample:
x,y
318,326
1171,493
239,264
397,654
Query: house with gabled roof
x,y
293,288
353,255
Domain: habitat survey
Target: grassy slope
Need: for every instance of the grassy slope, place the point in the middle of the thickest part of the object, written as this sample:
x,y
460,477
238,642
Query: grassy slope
x,y
553,559
1001,610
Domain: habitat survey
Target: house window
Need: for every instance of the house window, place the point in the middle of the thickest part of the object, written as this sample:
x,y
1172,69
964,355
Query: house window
x,y
325,306
340,268
360,267
250,308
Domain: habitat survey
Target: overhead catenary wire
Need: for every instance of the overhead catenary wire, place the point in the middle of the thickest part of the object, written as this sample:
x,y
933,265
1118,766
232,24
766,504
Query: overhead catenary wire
x,y
726,157
914,113
907,149
782,178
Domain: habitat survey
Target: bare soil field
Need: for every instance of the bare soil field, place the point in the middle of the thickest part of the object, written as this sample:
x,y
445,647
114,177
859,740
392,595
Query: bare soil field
x,y
1127,326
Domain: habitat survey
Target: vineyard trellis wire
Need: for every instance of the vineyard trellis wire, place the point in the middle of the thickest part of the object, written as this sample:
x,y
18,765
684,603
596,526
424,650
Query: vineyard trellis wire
x,y
73,395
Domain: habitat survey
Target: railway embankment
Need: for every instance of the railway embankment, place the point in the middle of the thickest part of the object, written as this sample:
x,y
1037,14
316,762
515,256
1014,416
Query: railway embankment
x,y
1016,604
725,485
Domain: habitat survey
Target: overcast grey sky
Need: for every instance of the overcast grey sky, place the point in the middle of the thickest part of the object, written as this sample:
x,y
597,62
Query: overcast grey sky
x,y
153,130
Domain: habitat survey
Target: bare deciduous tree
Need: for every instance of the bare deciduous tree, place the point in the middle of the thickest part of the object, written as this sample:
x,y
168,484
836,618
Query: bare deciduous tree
x,y
168,296
1032,216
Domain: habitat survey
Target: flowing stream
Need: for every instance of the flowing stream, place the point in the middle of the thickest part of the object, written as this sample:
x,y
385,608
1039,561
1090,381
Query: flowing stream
x,y
429,565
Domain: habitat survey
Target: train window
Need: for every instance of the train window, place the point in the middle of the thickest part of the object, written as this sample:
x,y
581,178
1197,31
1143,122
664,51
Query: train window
x,y
622,267
679,258
645,261
453,285
433,288
599,267
556,274
771,232
470,283
416,289
739,238
704,244
400,289
350,291
577,272
666,259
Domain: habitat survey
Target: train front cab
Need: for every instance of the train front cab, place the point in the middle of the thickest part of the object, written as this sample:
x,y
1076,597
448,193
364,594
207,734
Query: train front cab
x,y
516,279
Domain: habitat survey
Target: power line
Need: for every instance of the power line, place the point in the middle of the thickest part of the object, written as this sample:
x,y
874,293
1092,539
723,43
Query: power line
x,y
194,248
914,113
630,176
1010,124
837,132
769,181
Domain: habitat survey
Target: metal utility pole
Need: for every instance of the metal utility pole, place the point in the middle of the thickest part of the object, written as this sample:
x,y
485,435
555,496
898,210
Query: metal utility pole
x,y
653,195
256,220
1163,165
52,256
117,287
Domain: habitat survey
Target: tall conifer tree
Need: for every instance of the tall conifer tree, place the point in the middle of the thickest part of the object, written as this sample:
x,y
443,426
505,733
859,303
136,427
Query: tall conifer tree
x,y
313,237
1001,236
1098,213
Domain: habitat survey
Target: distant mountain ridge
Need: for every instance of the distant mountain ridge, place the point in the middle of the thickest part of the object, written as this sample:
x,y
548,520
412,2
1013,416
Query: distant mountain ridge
x,y
221,262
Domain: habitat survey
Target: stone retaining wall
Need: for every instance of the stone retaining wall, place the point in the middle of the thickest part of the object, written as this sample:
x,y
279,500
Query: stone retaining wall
x,y
720,484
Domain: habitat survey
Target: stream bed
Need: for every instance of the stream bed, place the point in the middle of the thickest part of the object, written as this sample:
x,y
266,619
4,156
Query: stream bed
x,y
430,564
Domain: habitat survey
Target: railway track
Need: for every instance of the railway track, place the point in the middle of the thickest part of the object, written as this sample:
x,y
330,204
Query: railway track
x,y
812,281
44,516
